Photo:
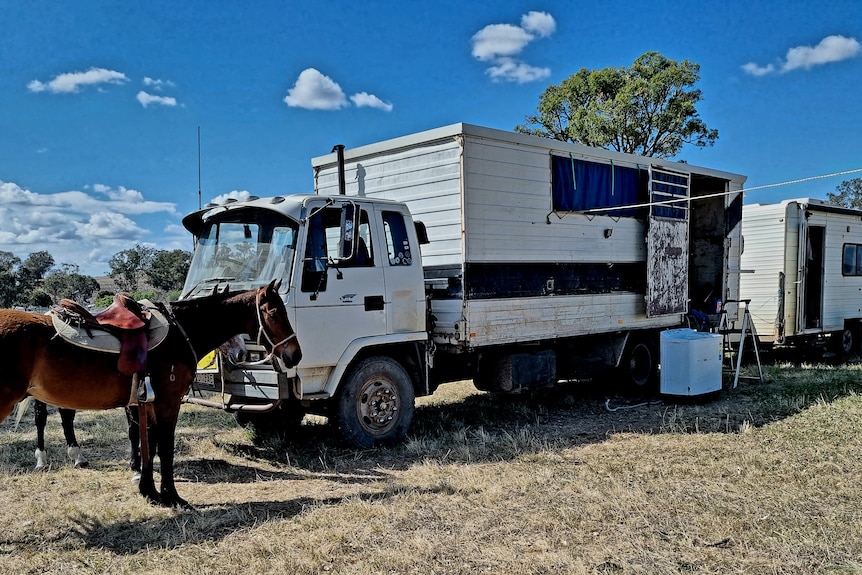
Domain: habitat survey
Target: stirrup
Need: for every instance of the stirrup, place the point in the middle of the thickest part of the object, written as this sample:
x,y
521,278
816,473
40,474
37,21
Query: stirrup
x,y
145,391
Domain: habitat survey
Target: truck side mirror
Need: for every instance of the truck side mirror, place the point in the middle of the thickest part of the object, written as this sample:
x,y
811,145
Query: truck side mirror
x,y
347,238
421,232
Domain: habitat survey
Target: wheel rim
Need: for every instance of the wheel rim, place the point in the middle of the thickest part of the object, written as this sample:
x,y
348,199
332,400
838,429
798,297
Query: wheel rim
x,y
377,406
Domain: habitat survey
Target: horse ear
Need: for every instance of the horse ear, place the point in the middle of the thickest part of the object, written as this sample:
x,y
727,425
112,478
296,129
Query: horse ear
x,y
215,291
275,285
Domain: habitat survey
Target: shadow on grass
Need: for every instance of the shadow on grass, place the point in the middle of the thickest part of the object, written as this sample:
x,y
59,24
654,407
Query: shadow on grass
x,y
494,427
211,523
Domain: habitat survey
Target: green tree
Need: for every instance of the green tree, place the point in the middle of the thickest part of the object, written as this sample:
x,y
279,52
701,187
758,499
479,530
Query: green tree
x,y
32,271
67,282
647,109
8,278
128,264
40,298
848,194
168,269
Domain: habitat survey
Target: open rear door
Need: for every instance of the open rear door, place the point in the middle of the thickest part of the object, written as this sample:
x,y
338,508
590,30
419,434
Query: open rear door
x,y
667,243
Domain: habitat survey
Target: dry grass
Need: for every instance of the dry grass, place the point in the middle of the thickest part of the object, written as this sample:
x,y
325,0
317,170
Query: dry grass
x,y
764,479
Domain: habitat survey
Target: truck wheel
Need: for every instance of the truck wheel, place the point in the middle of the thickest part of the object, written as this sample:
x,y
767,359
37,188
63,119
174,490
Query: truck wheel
x,y
639,365
376,403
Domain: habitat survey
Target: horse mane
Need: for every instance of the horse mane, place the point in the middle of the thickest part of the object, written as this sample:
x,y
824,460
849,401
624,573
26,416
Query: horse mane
x,y
214,297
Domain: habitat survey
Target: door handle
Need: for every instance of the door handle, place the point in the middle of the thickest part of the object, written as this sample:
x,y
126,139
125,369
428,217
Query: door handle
x,y
373,303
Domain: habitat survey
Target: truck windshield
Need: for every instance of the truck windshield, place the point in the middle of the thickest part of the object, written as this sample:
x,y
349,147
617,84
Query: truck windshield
x,y
244,249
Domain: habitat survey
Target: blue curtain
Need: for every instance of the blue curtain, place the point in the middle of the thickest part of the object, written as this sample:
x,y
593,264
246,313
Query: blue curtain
x,y
578,186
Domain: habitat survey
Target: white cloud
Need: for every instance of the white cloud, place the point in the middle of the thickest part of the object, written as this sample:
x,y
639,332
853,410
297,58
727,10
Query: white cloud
x,y
498,44
364,99
147,99
314,91
158,84
757,70
72,81
76,226
515,71
540,23
496,40
238,195
108,225
831,49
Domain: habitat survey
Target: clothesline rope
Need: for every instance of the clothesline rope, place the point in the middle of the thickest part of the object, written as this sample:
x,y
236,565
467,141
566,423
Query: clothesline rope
x,y
719,194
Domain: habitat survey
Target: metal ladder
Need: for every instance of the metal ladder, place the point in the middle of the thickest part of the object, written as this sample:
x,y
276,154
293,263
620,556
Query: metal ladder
x,y
746,330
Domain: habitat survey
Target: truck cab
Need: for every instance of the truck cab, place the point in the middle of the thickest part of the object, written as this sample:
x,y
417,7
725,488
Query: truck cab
x,y
353,286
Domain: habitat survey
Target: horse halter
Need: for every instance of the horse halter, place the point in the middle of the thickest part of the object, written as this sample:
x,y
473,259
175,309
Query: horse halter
x,y
262,333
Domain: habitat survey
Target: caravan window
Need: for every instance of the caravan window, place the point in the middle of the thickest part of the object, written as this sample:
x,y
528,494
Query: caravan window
x,y
851,260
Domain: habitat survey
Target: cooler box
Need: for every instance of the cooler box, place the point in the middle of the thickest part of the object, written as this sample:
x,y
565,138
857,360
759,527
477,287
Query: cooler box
x,y
690,362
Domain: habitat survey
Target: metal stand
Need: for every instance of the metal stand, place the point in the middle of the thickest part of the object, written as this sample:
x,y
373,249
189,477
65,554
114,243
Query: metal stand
x,y
746,330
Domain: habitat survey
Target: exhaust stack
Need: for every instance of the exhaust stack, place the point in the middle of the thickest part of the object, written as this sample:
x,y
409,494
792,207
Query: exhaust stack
x,y
342,186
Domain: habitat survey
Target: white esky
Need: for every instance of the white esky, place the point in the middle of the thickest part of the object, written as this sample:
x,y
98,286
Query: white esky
x,y
100,103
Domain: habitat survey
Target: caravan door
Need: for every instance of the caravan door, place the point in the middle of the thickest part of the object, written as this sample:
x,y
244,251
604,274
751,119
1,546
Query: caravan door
x,y
667,243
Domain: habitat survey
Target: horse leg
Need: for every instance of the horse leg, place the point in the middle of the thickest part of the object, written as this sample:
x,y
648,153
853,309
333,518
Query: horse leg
x,y
67,417
167,417
40,413
146,483
135,442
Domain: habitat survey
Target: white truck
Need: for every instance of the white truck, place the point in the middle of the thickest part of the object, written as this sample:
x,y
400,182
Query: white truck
x,y
803,273
540,261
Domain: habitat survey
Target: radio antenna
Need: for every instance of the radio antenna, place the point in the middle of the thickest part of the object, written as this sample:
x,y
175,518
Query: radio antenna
x,y
199,167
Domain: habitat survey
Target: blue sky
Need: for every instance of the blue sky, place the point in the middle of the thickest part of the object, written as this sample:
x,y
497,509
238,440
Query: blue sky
x,y
100,102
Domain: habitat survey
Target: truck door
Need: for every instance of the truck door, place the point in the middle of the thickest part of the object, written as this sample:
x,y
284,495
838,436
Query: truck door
x,y
337,301
667,243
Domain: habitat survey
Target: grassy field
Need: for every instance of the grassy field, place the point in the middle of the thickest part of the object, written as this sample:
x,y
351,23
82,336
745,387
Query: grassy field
x,y
765,478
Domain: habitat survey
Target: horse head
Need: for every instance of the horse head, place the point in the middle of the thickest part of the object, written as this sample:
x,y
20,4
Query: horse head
x,y
274,329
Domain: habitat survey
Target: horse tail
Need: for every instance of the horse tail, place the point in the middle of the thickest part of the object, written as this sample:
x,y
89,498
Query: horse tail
x,y
21,410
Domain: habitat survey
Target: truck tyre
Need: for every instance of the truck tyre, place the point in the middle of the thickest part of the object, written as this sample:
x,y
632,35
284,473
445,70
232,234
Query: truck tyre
x,y
376,403
639,366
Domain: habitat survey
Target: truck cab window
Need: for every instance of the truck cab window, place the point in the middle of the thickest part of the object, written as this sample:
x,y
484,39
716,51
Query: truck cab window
x,y
322,247
397,241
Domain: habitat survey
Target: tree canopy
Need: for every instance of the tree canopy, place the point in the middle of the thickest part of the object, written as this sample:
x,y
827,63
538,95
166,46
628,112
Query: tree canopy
x,y
37,281
647,109
848,194
127,264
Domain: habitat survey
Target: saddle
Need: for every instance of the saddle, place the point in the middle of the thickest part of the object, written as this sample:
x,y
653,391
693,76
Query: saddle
x,y
126,327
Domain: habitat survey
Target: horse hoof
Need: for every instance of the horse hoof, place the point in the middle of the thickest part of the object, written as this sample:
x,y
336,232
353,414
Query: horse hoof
x,y
136,478
41,460
75,454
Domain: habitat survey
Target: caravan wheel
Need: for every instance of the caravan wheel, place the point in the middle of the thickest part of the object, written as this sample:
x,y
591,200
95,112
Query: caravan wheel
x,y
845,342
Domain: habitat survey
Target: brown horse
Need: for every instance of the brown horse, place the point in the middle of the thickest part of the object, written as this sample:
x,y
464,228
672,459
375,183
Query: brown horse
x,y
37,363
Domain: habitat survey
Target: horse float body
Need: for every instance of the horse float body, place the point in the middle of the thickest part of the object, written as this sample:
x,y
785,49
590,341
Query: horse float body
x,y
540,261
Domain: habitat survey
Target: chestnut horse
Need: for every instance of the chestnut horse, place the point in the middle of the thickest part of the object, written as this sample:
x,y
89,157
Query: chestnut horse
x,y
37,363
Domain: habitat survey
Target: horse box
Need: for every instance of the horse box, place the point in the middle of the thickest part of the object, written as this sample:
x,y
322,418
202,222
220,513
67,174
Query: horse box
x,y
554,246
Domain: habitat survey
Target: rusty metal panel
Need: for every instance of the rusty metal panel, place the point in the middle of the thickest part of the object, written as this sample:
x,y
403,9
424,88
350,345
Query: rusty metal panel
x,y
667,267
